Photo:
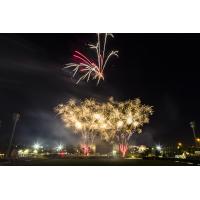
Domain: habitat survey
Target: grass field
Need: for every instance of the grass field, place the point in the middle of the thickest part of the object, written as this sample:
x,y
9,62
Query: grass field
x,y
99,162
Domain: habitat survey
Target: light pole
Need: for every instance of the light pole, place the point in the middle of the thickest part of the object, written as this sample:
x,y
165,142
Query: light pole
x,y
15,119
59,147
193,125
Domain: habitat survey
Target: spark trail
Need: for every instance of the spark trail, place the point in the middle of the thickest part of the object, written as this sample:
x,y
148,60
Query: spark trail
x,y
92,69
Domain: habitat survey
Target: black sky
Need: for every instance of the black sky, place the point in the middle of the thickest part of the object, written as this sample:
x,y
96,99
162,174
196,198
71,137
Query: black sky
x,y
161,69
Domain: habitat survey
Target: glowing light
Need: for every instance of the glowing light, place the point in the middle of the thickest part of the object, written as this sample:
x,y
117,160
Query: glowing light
x,y
198,139
36,146
93,147
59,147
158,147
180,144
114,152
20,151
142,148
2,155
94,70
26,151
35,151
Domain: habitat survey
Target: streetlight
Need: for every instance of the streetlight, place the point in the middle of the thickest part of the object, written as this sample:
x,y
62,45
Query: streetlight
x,y
36,146
180,144
59,147
158,147
198,141
158,151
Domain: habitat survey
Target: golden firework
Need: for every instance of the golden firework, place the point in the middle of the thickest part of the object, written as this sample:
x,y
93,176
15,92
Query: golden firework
x,y
109,120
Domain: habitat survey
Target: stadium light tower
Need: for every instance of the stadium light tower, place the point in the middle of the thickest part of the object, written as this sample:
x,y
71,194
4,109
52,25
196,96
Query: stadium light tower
x,y
193,126
16,117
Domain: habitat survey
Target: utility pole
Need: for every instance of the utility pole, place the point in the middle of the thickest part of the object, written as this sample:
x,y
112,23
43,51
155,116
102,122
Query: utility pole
x,y
15,119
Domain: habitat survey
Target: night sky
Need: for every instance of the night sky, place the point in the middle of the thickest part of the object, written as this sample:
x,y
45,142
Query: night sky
x,y
161,69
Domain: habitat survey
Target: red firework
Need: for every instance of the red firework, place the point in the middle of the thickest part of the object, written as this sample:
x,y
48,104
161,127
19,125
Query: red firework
x,y
123,148
86,149
90,68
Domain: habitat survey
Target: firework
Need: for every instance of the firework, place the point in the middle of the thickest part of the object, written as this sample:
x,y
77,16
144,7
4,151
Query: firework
x,y
82,119
86,149
89,68
123,119
110,120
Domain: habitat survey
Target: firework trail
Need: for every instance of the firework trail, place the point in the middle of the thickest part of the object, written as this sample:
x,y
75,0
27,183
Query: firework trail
x,y
89,68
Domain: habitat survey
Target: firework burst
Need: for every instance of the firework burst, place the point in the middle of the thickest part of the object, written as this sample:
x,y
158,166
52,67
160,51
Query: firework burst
x,y
89,68
81,118
111,120
126,118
